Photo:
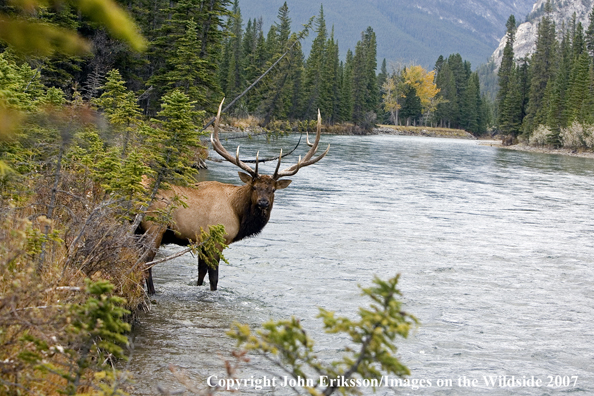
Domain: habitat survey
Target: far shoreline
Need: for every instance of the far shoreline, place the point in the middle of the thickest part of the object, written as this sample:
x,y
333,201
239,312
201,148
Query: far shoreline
x,y
541,150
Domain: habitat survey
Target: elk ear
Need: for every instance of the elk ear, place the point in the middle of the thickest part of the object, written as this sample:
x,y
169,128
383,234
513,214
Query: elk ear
x,y
282,184
245,177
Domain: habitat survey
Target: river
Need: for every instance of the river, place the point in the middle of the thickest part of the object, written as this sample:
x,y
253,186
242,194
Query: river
x,y
495,249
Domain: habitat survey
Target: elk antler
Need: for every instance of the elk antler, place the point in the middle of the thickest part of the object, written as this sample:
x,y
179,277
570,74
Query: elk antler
x,y
307,160
218,147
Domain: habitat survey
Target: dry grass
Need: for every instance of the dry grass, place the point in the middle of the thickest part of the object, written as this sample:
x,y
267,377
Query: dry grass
x,y
43,266
428,131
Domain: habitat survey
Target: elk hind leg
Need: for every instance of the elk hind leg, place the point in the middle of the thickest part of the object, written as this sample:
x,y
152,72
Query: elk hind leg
x,y
150,287
213,273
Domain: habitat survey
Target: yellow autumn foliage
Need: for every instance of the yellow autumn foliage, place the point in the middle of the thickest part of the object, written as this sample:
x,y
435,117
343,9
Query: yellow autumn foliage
x,y
422,81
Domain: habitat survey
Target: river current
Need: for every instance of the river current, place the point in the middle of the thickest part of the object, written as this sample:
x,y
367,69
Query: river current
x,y
495,249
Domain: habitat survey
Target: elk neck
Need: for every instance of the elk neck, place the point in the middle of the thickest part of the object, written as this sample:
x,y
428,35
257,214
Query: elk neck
x,y
252,219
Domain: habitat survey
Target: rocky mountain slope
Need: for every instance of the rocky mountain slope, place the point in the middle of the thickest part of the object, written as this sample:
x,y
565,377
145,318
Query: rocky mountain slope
x,y
406,31
563,11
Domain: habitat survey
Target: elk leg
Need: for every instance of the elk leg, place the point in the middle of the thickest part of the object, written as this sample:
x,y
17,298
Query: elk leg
x,y
150,287
202,271
213,276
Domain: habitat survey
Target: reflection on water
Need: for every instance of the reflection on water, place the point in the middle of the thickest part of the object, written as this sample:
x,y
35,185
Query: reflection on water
x,y
495,249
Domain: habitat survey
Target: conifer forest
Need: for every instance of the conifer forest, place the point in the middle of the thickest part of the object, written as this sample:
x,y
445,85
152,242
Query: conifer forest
x,y
104,103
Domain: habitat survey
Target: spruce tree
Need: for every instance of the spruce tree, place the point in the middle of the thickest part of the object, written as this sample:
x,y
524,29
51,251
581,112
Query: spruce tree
x,y
578,87
346,89
589,35
505,70
234,79
411,106
365,90
543,66
314,66
382,115
447,111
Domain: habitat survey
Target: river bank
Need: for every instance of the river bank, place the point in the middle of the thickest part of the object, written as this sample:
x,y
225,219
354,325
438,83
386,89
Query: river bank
x,y
542,150
233,131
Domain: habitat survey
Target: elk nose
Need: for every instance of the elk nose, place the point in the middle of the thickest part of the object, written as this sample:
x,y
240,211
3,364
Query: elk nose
x,y
263,203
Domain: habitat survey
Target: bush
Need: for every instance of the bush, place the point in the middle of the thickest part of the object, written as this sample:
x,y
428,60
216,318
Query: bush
x,y
541,136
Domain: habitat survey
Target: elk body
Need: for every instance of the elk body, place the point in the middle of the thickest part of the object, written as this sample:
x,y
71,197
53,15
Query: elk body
x,y
243,210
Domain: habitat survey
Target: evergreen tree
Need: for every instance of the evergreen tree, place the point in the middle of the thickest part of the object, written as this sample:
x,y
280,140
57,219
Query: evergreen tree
x,y
578,87
578,42
365,90
471,115
234,79
510,120
382,115
411,107
543,66
168,144
120,107
589,35
329,96
447,111
314,67
505,72
346,89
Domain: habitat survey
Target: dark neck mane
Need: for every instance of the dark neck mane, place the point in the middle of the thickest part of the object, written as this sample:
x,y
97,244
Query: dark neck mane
x,y
251,219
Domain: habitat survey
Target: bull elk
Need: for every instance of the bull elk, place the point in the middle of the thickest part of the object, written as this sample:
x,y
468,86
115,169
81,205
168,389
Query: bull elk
x,y
243,210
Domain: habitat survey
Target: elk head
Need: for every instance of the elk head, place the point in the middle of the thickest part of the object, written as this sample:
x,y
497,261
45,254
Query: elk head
x,y
264,186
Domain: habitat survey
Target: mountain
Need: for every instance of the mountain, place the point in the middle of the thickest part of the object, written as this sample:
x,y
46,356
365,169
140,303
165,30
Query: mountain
x,y
406,31
563,11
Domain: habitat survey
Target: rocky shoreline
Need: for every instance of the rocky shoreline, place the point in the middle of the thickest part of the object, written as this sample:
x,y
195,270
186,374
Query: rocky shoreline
x,y
542,150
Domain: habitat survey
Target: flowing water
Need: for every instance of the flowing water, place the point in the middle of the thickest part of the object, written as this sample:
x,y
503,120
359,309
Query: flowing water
x,y
495,249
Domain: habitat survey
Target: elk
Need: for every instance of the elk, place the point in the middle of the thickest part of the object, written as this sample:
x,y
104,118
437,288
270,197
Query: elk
x,y
243,210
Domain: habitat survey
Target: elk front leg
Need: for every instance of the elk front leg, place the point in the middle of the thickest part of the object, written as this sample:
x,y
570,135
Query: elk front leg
x,y
213,273
150,287
202,271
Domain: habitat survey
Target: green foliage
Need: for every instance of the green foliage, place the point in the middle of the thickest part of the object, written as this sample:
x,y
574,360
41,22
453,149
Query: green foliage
x,y
210,245
92,335
35,38
460,103
171,139
372,352
542,69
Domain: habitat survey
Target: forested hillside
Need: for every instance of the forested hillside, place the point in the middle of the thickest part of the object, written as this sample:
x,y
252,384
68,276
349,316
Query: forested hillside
x,y
548,99
417,31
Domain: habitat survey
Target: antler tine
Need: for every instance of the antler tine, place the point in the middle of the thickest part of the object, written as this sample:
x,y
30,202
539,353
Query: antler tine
x,y
314,146
307,160
278,164
218,147
257,155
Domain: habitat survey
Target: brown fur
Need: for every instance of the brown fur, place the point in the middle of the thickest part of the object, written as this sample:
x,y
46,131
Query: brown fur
x,y
243,210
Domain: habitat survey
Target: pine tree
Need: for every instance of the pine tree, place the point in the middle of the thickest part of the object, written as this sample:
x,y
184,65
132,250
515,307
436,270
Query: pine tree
x,y
505,70
578,87
346,89
411,106
589,35
329,95
511,109
447,111
471,112
557,116
314,67
234,79
543,67
578,42
382,115
120,107
170,142
365,90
